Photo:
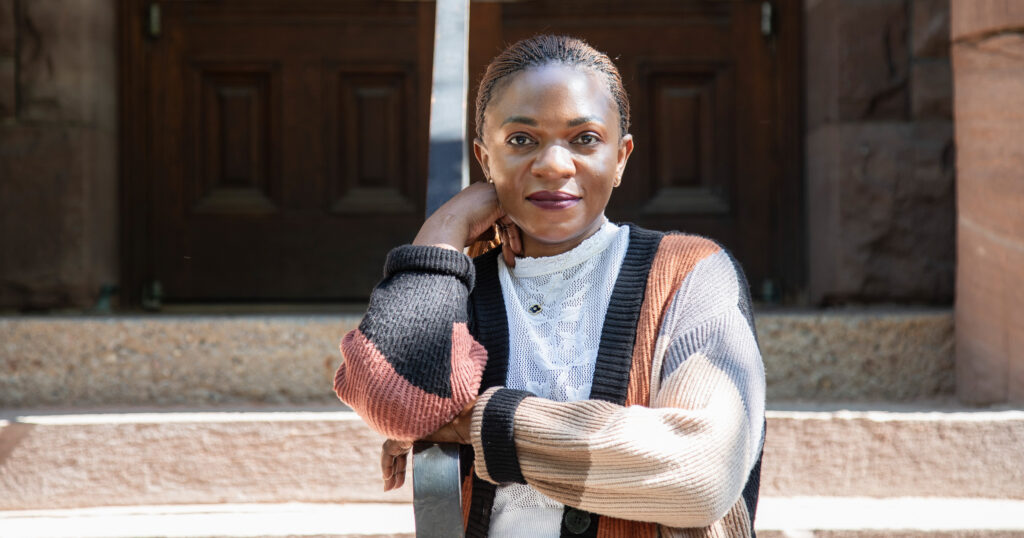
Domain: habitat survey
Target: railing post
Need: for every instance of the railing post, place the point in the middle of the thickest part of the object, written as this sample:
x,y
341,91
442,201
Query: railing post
x,y
436,487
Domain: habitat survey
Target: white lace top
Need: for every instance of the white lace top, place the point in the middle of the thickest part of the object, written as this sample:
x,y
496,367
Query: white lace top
x,y
555,307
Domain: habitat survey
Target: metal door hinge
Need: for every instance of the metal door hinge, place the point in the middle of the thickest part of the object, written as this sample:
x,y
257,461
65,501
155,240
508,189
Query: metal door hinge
x,y
153,20
153,295
767,16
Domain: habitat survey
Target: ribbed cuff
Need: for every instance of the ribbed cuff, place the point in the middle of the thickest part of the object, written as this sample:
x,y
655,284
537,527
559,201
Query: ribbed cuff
x,y
497,439
431,260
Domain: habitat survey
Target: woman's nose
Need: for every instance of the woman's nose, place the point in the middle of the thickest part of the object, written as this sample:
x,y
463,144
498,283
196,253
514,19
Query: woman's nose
x,y
554,161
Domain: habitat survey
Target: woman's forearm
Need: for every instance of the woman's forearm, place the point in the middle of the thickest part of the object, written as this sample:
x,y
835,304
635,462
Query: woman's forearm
x,y
677,467
682,461
411,365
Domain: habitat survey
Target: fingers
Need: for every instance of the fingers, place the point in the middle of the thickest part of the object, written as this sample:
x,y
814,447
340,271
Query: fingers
x,y
399,479
511,240
393,458
444,434
462,218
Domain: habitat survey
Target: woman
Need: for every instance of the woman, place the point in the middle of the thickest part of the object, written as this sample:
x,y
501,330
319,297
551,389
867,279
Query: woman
x,y
606,377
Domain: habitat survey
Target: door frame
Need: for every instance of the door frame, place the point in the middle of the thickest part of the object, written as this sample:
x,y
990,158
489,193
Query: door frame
x,y
135,148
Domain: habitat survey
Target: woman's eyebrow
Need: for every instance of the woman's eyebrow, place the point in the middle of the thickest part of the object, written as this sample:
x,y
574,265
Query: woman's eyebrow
x,y
520,119
585,119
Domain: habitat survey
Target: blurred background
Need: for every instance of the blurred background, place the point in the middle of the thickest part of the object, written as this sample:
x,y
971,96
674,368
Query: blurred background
x,y
196,198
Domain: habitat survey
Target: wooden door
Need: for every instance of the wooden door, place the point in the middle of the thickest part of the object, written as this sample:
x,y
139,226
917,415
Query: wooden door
x,y
286,145
715,110
276,150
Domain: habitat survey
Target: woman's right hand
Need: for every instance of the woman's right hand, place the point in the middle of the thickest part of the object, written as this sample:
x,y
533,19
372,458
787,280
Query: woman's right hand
x,y
465,217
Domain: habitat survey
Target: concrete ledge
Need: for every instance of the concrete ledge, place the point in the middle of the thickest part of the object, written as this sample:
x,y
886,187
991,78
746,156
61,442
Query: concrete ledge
x,y
858,355
905,453
239,456
169,360
291,519
326,456
845,517
831,355
777,517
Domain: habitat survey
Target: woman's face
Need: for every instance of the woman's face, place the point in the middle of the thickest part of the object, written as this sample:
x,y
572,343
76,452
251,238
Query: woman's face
x,y
552,146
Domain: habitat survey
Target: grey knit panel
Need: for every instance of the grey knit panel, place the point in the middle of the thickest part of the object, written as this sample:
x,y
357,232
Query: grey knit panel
x,y
412,311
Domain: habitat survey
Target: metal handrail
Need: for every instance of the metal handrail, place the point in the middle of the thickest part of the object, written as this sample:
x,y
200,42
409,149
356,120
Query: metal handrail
x,y
437,492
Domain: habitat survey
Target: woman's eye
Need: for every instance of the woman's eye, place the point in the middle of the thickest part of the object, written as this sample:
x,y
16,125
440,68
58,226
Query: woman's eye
x,y
519,140
587,139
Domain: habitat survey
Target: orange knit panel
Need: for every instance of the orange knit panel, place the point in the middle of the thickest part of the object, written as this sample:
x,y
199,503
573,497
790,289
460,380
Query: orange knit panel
x,y
467,496
677,256
610,527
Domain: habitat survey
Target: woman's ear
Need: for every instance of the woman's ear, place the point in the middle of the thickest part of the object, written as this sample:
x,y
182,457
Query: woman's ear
x,y
625,149
482,157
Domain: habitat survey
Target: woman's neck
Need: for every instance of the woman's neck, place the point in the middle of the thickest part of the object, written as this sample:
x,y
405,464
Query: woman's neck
x,y
534,248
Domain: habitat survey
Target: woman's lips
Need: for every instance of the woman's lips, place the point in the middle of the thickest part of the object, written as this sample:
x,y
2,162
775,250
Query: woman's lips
x,y
553,199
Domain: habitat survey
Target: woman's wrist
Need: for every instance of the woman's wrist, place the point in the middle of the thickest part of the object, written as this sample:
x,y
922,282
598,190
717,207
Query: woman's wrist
x,y
445,231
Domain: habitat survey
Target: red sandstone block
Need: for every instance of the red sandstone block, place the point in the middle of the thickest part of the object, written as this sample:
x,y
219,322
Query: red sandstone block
x,y
67,66
931,90
8,104
989,129
858,62
822,73
822,216
881,218
974,18
873,59
989,314
49,211
7,28
930,28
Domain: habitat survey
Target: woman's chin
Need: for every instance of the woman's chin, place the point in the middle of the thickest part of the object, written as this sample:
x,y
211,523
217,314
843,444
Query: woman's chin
x,y
551,242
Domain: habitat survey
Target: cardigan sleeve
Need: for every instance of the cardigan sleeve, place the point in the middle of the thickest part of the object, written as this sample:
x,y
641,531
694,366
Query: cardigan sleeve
x,y
682,461
411,365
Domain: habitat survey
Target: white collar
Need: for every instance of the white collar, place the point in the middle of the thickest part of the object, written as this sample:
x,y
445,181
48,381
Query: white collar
x,y
590,247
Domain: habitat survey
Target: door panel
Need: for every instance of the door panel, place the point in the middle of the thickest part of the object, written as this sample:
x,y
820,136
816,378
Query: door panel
x,y
369,138
233,112
691,159
290,138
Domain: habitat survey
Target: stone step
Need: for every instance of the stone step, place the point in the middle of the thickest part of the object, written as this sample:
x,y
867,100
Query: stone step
x,y
197,360
894,451
155,457
322,455
804,517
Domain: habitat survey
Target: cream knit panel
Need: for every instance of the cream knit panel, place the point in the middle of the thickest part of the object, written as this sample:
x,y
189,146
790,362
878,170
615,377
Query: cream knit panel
x,y
679,463
704,318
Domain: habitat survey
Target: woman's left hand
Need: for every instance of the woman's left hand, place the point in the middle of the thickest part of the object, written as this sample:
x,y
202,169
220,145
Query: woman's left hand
x,y
394,455
456,431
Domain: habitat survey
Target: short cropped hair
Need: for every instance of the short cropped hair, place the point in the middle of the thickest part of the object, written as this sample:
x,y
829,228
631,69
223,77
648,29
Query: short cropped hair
x,y
542,50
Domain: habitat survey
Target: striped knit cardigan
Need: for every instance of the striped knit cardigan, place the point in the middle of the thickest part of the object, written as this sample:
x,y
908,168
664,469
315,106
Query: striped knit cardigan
x,y
678,456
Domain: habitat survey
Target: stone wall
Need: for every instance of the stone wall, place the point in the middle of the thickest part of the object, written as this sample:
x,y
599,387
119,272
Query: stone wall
x,y
880,173
58,152
988,60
